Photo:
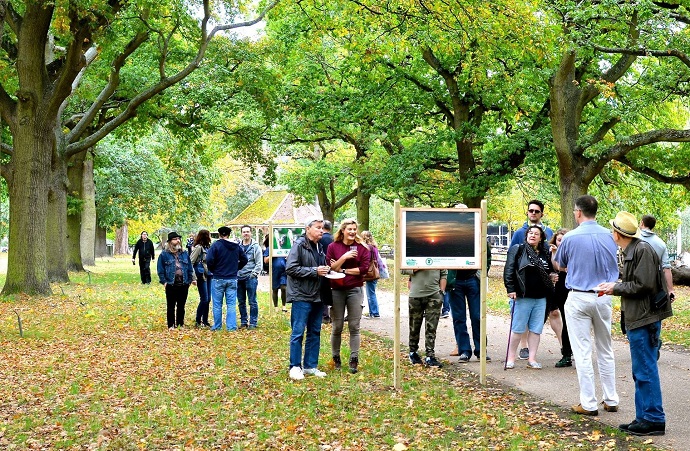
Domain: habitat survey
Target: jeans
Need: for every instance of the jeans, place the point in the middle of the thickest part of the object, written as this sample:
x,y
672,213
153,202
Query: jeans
x,y
371,298
176,296
466,290
305,315
446,303
246,288
204,287
587,312
227,288
645,372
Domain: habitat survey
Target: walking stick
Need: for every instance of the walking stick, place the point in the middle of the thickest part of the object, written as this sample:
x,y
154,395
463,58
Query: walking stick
x,y
512,310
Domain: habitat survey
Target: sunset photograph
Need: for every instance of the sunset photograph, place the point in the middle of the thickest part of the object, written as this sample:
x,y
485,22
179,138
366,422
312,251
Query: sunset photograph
x,y
442,233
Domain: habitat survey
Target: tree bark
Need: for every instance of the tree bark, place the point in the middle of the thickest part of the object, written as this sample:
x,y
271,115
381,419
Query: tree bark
x,y
363,199
75,173
122,240
57,225
88,214
28,187
101,244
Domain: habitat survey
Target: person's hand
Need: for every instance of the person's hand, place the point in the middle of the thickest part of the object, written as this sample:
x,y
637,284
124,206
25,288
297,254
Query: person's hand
x,y
323,270
350,254
604,288
553,248
512,295
554,277
194,282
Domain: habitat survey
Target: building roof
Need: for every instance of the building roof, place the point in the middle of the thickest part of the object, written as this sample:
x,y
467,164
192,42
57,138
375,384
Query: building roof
x,y
277,207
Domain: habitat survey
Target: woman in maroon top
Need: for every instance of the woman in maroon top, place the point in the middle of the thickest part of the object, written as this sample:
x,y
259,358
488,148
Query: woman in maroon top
x,y
347,254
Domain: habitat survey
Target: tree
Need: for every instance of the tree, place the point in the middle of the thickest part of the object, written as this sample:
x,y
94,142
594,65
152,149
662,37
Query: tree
x,y
610,99
45,83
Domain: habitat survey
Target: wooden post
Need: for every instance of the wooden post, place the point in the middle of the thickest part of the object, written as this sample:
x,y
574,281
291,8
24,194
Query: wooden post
x,y
396,296
483,289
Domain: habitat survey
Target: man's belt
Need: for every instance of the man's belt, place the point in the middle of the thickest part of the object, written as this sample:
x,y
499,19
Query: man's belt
x,y
583,291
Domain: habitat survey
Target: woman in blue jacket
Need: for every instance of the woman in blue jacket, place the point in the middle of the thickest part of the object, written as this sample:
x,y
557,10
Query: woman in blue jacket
x,y
176,273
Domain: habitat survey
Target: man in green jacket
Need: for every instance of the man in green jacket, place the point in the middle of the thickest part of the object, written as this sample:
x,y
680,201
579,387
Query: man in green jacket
x,y
641,282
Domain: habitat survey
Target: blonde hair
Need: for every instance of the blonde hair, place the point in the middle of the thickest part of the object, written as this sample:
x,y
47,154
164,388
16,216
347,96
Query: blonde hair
x,y
340,234
369,238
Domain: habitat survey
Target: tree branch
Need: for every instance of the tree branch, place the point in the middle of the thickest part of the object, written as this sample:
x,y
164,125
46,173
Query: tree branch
x,y
619,150
646,52
680,180
131,109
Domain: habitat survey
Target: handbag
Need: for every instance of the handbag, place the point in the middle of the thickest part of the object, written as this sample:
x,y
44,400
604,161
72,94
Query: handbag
x,y
373,272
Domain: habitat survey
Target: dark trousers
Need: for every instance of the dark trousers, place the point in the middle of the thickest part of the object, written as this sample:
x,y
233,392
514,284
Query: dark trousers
x,y
145,270
566,350
176,297
204,285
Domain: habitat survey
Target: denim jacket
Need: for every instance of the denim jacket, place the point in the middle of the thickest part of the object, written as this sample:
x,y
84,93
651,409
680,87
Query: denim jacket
x,y
166,268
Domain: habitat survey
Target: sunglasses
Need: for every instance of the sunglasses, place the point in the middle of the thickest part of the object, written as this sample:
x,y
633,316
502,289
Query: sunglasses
x,y
534,211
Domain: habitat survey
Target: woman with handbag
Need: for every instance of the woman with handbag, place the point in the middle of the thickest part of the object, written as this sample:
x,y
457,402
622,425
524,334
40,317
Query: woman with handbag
x,y
201,244
528,277
372,281
347,254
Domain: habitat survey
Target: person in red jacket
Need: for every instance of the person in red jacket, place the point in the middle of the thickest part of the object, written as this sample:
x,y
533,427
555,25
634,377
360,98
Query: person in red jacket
x,y
349,255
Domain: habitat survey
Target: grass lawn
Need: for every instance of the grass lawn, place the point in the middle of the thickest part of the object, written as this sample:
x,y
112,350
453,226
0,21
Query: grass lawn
x,y
97,368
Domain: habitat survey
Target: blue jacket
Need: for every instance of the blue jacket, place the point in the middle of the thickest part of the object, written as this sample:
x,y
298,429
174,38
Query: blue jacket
x,y
166,268
224,259
519,235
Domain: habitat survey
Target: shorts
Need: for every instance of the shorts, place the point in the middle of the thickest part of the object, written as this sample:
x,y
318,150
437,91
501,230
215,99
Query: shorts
x,y
528,313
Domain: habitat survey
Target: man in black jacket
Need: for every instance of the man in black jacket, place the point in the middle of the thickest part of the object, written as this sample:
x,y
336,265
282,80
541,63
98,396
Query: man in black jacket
x,y
144,247
306,264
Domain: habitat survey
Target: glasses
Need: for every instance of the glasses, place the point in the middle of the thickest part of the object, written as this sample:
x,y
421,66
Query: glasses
x,y
534,211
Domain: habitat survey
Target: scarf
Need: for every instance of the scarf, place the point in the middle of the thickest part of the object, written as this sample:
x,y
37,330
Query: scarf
x,y
534,261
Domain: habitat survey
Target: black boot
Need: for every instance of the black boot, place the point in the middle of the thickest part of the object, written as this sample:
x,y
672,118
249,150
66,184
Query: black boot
x,y
354,361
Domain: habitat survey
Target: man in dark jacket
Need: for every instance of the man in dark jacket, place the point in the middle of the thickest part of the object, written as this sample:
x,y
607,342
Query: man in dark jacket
x,y
146,253
306,264
224,259
641,281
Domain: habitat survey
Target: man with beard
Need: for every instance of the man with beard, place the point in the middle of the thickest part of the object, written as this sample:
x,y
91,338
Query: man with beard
x,y
176,273
146,253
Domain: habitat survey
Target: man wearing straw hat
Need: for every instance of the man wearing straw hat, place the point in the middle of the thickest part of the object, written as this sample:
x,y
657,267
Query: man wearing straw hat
x,y
641,281
589,254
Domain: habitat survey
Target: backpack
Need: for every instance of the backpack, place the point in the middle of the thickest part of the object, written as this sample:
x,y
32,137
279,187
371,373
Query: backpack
x,y
373,272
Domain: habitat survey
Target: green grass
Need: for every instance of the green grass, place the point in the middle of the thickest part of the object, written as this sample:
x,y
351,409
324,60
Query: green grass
x,y
98,369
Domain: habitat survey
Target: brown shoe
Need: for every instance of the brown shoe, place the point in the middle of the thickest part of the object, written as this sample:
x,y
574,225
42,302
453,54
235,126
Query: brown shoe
x,y
455,352
579,410
609,408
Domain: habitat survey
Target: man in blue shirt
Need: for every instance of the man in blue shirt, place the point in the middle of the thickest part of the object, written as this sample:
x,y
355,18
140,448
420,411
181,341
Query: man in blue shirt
x,y
588,253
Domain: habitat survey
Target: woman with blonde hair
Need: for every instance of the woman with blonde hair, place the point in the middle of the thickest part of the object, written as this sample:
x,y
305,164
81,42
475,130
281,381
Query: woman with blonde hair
x,y
347,254
371,284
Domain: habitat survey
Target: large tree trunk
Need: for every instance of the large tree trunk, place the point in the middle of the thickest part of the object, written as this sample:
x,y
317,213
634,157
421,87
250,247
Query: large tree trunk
x,y
101,244
75,172
88,214
122,240
57,230
28,187
363,199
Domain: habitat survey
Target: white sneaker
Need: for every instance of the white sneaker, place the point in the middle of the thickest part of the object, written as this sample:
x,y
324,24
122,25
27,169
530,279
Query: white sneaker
x,y
313,372
296,373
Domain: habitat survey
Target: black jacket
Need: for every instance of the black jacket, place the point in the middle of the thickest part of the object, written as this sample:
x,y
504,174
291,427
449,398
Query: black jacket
x,y
303,282
145,250
514,277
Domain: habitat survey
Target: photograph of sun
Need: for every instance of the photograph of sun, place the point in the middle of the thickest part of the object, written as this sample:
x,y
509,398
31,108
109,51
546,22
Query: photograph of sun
x,y
440,233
